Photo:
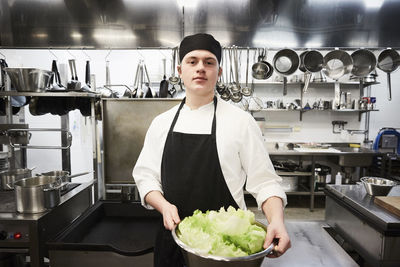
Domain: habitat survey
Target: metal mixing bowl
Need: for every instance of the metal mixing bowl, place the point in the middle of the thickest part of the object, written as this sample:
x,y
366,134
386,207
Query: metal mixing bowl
x,y
194,259
29,79
376,186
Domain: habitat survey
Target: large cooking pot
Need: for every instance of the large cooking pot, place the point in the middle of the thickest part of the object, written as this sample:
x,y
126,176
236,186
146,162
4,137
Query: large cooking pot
x,y
9,177
37,194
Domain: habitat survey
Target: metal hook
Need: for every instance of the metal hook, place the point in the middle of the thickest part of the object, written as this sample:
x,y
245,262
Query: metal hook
x,y
51,52
83,51
3,55
161,53
71,54
140,54
109,52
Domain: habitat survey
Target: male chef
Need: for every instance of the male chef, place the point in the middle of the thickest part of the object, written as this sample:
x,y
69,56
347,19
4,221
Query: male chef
x,y
202,153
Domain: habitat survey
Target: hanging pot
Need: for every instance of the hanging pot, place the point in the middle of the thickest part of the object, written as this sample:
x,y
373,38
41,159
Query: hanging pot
x,y
337,63
364,62
262,70
389,61
286,62
310,62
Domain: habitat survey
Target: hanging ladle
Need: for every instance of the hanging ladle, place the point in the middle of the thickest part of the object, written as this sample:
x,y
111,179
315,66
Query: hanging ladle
x,y
174,79
247,91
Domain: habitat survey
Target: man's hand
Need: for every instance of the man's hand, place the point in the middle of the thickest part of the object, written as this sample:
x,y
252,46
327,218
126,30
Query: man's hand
x,y
168,210
170,215
277,231
273,209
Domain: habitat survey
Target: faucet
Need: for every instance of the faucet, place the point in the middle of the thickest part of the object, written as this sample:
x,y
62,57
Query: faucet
x,y
341,126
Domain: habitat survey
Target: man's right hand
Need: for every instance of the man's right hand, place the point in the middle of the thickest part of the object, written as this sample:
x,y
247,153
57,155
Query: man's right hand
x,y
168,210
170,215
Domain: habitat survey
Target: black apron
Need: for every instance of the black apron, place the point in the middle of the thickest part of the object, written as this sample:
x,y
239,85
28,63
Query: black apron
x,y
191,178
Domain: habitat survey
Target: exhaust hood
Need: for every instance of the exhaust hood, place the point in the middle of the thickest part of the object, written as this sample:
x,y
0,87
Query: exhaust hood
x,y
124,24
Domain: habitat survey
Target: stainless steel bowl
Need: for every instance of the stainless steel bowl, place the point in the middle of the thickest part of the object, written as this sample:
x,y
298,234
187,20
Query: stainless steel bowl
x,y
376,186
29,79
194,259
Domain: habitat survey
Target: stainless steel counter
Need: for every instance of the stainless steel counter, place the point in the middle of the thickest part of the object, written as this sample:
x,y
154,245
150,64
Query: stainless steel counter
x,y
33,230
372,231
311,246
333,150
356,197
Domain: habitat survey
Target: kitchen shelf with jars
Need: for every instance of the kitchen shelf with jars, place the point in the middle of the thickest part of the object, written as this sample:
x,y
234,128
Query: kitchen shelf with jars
x,y
344,103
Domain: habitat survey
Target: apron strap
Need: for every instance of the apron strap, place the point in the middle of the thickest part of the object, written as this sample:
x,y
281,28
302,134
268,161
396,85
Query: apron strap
x,y
214,122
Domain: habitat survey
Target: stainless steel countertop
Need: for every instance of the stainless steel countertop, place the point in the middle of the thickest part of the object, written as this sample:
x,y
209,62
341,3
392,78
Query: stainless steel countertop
x,y
311,246
356,197
343,150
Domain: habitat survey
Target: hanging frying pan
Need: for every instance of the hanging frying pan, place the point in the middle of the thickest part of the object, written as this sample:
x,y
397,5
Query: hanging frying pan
x,y
310,62
364,62
389,61
337,63
286,62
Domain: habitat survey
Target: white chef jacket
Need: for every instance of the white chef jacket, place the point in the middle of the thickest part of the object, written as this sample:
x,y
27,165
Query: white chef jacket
x,y
240,149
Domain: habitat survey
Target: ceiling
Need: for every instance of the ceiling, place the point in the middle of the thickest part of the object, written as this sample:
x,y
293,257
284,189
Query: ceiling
x,y
125,24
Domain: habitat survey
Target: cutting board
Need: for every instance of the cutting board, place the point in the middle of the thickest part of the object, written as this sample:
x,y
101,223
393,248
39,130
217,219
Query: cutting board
x,y
391,204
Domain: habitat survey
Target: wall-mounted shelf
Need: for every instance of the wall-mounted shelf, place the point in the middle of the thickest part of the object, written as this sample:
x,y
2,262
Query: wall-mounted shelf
x,y
49,94
359,111
296,173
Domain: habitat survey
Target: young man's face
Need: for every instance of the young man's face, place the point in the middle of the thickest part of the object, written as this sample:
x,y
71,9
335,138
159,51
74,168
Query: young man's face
x,y
199,71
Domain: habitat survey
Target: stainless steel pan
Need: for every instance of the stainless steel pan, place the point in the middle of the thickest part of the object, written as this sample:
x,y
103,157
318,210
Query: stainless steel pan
x,y
286,62
9,177
364,62
337,63
310,62
262,70
389,61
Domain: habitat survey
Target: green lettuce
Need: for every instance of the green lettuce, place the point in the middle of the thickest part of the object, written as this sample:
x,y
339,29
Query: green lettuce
x,y
227,233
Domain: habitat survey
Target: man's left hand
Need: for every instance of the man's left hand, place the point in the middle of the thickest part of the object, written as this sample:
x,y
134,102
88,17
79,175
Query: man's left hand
x,y
277,231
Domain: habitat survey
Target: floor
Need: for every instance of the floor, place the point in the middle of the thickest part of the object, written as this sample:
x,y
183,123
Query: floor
x,y
298,208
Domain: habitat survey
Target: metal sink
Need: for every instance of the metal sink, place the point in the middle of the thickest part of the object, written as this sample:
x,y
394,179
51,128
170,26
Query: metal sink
x,y
355,157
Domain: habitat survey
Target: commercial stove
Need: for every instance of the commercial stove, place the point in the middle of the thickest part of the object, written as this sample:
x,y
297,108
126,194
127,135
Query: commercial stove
x,y
23,234
371,230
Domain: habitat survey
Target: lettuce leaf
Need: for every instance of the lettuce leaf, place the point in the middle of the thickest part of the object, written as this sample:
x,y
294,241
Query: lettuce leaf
x,y
227,233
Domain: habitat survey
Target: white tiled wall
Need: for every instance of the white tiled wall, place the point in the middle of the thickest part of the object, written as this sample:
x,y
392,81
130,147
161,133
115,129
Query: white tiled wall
x,y
315,126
